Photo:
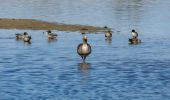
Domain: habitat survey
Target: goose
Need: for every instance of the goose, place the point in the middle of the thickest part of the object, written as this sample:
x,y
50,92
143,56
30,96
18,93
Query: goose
x,y
84,49
108,34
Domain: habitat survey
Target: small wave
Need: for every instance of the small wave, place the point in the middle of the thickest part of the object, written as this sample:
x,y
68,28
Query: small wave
x,y
7,37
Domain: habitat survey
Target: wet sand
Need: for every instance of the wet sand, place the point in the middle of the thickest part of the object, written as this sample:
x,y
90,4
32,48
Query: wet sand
x,y
32,24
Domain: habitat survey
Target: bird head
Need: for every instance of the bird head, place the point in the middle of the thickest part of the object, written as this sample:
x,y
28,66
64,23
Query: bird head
x,y
133,30
49,31
25,33
85,39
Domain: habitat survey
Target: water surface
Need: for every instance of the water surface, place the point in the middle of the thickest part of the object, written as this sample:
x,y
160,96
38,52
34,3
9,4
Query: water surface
x,y
115,70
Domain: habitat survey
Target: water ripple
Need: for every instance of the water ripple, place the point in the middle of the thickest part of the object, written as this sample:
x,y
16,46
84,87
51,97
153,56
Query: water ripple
x,y
115,70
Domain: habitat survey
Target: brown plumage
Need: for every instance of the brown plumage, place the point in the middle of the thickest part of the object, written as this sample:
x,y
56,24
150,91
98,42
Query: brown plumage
x,y
21,35
134,41
84,49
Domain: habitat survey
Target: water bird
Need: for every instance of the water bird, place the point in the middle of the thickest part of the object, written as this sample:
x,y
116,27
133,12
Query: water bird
x,y
134,39
108,34
134,34
21,35
51,35
27,38
84,49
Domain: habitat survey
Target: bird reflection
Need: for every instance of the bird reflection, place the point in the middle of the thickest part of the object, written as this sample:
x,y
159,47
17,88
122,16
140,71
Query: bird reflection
x,y
108,40
18,39
84,66
52,40
84,69
27,43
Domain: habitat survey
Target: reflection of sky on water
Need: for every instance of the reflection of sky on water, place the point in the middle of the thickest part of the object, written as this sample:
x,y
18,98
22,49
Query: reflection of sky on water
x,y
114,70
96,12
121,15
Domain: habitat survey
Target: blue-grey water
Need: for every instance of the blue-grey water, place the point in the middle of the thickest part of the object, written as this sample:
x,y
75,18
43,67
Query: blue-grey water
x,y
115,70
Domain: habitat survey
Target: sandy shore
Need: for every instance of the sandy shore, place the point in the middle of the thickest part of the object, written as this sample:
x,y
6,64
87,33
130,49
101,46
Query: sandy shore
x,y
32,24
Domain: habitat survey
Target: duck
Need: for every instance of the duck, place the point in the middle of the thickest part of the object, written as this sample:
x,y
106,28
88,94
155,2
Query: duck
x,y
108,34
51,35
134,34
21,35
134,39
27,38
84,49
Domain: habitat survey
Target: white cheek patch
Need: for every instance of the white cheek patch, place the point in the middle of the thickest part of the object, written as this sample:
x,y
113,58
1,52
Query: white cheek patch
x,y
134,34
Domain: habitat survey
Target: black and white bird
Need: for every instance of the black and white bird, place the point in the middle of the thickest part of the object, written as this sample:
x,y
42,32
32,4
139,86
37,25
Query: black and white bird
x,y
27,38
134,39
84,49
51,35
21,35
108,34
134,34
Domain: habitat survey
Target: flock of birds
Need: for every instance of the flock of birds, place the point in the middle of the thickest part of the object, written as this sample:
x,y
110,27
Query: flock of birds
x,y
83,49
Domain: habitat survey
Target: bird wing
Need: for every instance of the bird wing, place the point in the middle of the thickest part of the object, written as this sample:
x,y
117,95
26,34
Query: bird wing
x,y
110,34
136,34
79,49
89,48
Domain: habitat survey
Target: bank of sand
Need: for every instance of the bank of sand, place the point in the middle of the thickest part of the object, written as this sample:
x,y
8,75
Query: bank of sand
x,y
31,24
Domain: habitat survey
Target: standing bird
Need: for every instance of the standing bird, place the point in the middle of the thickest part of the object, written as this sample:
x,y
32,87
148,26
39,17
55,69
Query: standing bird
x,y
84,49
108,34
134,34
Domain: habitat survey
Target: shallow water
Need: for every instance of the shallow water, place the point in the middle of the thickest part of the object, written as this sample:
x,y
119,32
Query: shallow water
x,y
115,70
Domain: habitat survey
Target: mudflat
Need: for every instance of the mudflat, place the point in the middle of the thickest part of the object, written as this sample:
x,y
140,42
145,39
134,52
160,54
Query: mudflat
x,y
32,24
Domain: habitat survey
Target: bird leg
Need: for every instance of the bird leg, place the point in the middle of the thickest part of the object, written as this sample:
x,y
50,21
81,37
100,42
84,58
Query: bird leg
x,y
83,58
